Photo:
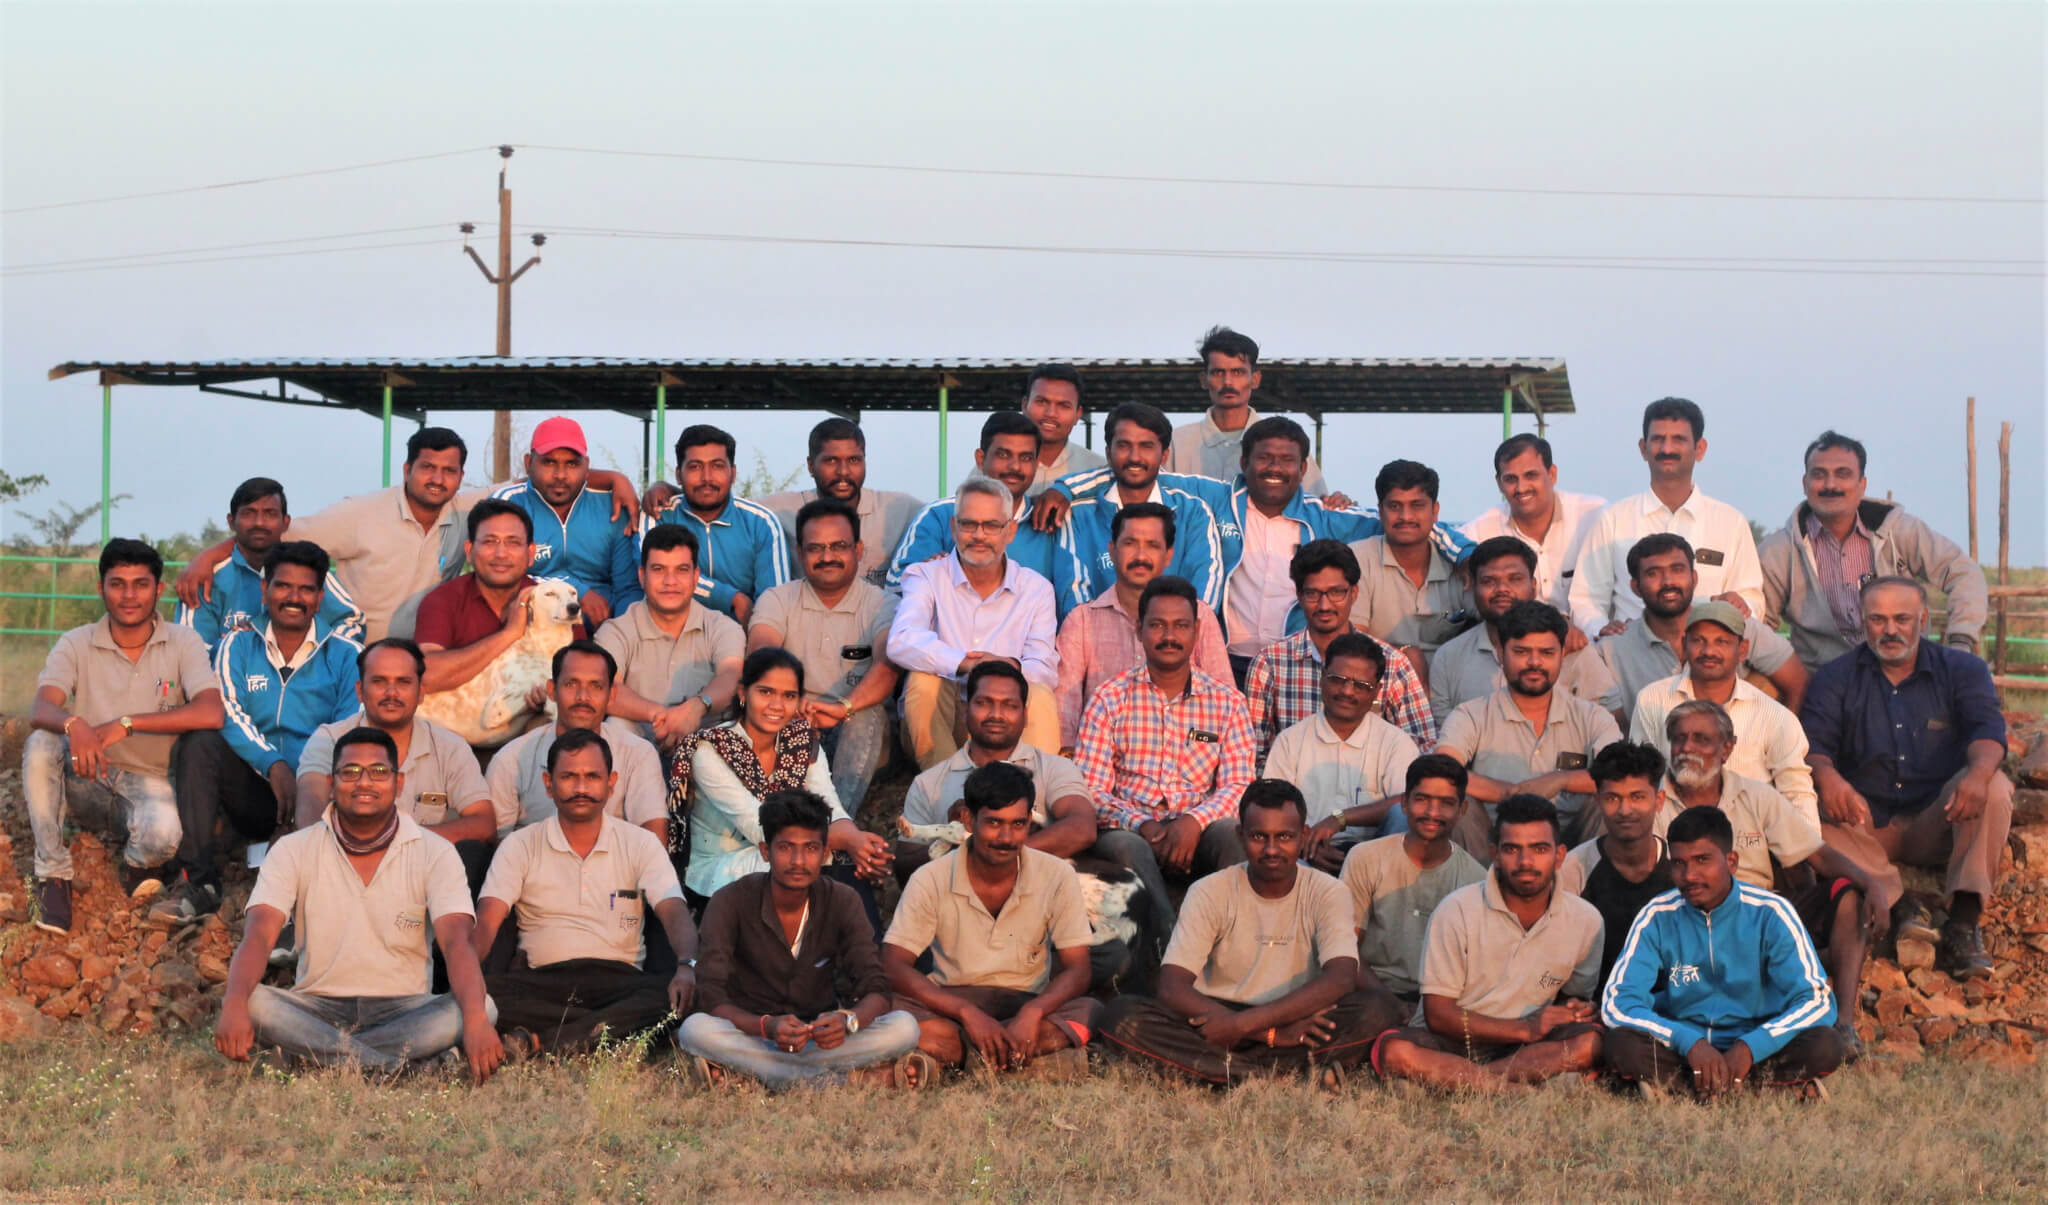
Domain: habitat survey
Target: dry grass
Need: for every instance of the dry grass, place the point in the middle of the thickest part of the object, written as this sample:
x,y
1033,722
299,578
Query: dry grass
x,y
162,1120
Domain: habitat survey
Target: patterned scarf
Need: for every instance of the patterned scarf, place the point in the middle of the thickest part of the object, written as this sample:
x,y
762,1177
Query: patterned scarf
x,y
796,747
355,848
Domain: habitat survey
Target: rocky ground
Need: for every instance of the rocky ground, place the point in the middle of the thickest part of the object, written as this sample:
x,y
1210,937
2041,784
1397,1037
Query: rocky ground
x,y
116,972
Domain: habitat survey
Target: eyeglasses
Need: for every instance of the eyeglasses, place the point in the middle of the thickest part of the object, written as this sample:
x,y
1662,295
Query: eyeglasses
x,y
1340,682
1312,597
988,527
836,547
379,773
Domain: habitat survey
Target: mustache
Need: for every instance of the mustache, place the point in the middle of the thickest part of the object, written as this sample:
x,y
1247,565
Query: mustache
x,y
583,799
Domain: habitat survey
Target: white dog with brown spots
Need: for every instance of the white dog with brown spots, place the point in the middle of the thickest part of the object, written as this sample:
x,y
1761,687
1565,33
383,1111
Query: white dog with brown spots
x,y
498,703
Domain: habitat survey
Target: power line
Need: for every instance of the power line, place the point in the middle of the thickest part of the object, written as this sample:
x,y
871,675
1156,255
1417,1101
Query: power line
x,y
1337,185
148,255
172,192
1644,264
215,259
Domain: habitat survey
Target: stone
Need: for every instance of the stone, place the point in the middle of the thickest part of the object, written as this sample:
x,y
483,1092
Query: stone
x,y
95,967
19,1019
2029,808
170,976
2029,849
1915,955
213,968
1891,1007
50,970
2033,768
1883,976
1934,1033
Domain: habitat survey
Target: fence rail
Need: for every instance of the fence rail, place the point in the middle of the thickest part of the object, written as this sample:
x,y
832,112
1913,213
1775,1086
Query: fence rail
x,y
17,602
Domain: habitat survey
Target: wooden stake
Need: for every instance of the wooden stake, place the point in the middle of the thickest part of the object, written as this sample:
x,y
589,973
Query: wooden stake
x,y
1970,478
2004,530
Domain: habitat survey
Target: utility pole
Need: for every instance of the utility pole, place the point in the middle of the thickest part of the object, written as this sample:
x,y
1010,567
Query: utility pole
x,y
501,424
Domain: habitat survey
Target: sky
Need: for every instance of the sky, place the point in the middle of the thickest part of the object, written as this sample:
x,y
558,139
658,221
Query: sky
x,y
1834,100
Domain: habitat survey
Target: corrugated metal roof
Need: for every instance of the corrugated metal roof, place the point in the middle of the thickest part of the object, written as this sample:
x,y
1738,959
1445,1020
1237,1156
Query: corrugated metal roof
x,y
1316,385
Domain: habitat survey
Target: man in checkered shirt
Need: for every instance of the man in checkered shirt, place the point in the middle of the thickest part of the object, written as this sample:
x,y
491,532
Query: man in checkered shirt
x,y
1167,749
1285,683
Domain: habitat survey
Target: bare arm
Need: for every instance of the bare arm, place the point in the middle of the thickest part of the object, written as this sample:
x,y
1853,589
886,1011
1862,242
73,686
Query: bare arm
x,y
233,1034
1071,828
491,913
195,583
455,934
1791,679
449,668
904,980
477,822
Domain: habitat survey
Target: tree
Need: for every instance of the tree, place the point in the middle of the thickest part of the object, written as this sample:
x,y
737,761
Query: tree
x,y
14,489
57,528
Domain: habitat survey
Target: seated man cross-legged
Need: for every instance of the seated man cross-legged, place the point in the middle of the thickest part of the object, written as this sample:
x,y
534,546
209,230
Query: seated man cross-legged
x,y
1008,934
1262,972
582,882
364,887
1508,971
1397,881
790,983
1717,984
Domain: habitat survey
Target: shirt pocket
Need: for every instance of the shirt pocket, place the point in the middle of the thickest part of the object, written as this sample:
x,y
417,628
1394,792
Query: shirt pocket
x,y
1201,754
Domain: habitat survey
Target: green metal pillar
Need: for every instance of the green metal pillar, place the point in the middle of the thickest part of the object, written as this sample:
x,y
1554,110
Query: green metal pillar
x,y
106,461
387,434
1507,413
661,429
944,478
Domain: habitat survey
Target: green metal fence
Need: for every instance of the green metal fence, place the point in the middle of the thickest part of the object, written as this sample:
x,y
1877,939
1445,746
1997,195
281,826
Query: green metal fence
x,y
36,600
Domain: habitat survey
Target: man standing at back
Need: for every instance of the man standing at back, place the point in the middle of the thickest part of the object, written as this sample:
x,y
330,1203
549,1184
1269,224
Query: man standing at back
x,y
1211,446
257,518
574,536
838,461
1838,539
1724,550
1052,401
1551,521
1138,436
740,544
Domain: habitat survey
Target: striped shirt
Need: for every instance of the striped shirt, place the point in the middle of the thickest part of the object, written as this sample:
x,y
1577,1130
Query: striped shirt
x,y
1285,685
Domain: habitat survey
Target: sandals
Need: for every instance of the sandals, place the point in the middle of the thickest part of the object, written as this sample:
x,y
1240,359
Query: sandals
x,y
916,1072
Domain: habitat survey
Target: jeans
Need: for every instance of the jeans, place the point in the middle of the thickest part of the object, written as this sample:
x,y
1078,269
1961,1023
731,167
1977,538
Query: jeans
x,y
214,780
146,802
717,1040
857,749
379,1033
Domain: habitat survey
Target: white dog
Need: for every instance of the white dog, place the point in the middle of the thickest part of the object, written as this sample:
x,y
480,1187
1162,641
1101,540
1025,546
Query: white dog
x,y
493,707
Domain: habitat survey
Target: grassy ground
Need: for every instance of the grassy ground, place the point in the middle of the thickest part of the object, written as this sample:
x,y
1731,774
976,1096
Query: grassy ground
x,y
162,1120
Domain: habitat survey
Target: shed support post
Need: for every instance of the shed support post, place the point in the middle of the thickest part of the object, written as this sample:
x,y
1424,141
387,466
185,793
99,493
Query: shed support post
x,y
387,433
1507,412
106,462
661,422
944,399
1318,417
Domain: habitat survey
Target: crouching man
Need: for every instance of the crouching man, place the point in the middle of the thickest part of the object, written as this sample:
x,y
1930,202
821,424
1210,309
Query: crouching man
x,y
790,981
1262,972
365,883
583,883
1008,934
1717,985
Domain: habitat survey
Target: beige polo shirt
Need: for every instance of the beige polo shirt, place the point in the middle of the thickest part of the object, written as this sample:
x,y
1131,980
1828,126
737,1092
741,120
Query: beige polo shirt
x,y
1478,954
100,684
1335,772
1492,737
1391,607
1246,949
664,669
581,907
519,790
1468,666
940,912
934,792
357,939
838,644
442,778
1392,900
1766,824
884,516
1770,742
382,554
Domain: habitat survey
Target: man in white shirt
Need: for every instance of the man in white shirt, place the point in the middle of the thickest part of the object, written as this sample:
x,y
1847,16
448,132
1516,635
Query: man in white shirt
x,y
1724,548
1210,446
964,608
1551,521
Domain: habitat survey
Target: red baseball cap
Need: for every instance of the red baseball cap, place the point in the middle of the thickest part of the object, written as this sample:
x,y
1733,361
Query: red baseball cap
x,y
557,433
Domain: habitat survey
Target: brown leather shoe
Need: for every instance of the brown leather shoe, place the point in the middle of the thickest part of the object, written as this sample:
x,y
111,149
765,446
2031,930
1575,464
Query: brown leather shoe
x,y
1911,921
1961,952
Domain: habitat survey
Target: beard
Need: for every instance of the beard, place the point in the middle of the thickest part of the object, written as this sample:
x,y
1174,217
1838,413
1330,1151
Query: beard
x,y
1693,772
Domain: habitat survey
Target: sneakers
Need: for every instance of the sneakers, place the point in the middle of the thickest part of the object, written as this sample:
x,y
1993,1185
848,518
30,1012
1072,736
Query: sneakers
x,y
141,882
53,905
1911,921
188,902
1961,952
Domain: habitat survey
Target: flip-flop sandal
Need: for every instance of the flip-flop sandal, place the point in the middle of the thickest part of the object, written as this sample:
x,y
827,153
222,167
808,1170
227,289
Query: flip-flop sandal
x,y
916,1072
703,1074
1329,1078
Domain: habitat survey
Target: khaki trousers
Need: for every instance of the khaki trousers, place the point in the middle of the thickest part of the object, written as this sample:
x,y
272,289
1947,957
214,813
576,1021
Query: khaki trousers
x,y
1969,849
935,724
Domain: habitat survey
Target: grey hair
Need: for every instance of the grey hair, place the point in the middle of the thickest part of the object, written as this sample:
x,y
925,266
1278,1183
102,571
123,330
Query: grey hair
x,y
1879,583
978,483
1707,707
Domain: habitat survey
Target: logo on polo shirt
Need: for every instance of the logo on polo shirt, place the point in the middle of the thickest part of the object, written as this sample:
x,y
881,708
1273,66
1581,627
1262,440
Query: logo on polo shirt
x,y
258,682
1551,981
411,918
1749,837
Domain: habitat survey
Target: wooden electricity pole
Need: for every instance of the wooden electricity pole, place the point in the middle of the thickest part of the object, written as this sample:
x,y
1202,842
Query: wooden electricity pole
x,y
501,423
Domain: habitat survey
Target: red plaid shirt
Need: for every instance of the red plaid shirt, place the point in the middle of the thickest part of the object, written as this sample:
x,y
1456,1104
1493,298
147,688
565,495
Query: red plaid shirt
x,y
1285,684
1149,757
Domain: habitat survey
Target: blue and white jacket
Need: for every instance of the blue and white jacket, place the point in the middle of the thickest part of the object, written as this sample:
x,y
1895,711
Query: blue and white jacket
x,y
1198,542
237,601
931,535
1744,972
271,709
588,550
743,550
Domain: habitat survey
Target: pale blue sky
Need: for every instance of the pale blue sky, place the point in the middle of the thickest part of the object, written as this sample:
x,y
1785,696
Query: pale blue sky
x,y
1831,98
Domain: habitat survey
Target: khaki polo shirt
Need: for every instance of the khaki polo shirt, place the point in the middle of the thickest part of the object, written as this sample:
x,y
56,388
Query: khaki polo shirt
x,y
357,939
664,669
439,768
1478,954
100,684
1468,666
518,783
1393,899
934,792
1391,607
940,912
1493,738
1247,949
1766,824
884,516
1336,772
382,554
581,907
838,644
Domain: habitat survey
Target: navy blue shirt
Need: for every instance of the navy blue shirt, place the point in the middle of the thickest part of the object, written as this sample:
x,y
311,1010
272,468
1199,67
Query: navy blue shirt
x,y
1898,745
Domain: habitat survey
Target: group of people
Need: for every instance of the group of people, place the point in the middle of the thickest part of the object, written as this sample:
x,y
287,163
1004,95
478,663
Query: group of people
x,y
1217,771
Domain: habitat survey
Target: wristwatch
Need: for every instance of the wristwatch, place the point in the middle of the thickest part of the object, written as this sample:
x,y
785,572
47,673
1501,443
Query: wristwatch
x,y
706,700
128,724
690,963
852,1020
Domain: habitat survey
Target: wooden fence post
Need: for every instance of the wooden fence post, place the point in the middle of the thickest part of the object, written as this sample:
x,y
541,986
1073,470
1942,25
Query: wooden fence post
x,y
1970,475
2004,530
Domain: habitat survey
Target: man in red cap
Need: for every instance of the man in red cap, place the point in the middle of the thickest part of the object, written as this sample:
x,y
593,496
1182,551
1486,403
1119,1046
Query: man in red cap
x,y
574,535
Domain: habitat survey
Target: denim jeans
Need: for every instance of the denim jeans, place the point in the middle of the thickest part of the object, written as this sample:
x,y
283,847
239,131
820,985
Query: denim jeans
x,y
857,749
379,1033
717,1040
148,804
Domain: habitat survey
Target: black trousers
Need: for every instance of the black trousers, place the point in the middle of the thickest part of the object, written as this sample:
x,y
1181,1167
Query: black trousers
x,y
566,1003
1141,1029
1811,1054
210,781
